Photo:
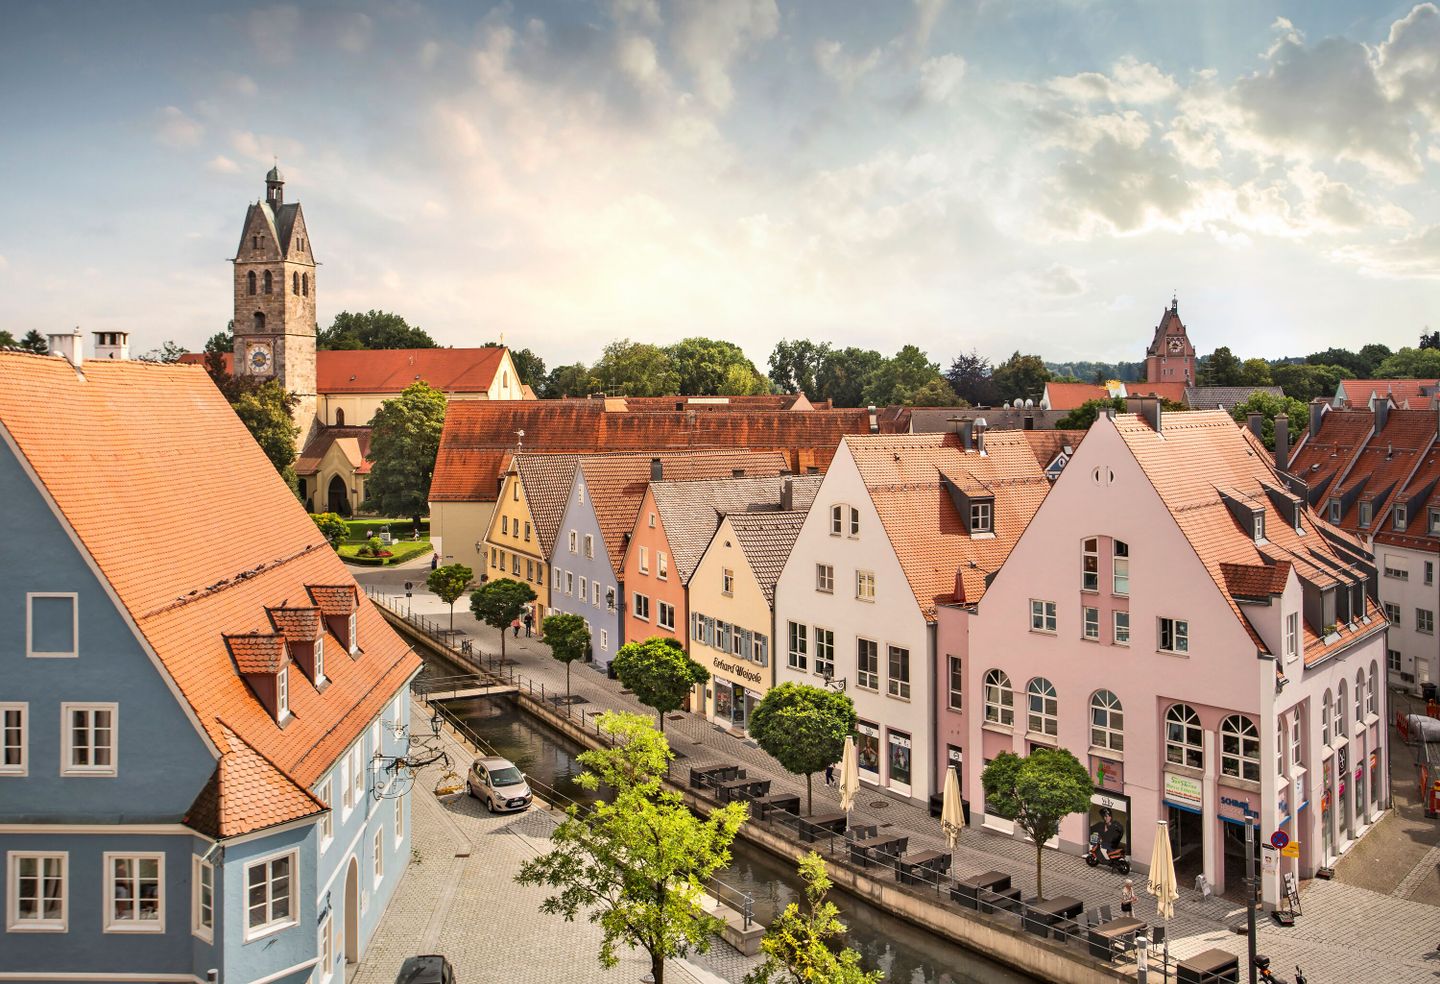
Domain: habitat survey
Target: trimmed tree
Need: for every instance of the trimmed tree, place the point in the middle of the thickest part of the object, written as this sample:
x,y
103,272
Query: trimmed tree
x,y
569,639
448,583
498,603
637,866
804,728
334,529
802,947
404,439
660,674
1037,792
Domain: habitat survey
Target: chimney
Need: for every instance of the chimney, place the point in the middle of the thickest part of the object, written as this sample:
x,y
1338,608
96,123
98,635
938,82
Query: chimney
x,y
966,430
1256,423
71,346
1282,441
112,345
874,422
1317,414
980,426
657,470
1382,412
1029,422
1147,407
787,495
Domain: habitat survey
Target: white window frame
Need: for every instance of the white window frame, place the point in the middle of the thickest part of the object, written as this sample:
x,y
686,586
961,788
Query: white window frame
x,y
1402,517
1292,635
590,546
1107,721
982,515
661,619
202,923
325,792
325,947
727,582
1393,612
897,685
377,862
854,531
1367,510
357,775
637,599
1179,635
320,659
662,565
67,749
1120,568
584,589
1042,706
282,694
30,651
271,925
865,586
399,820
1122,632
13,922
1090,554
1191,753
1091,623
1425,621
112,923
825,578
1043,616
824,651
1234,727
1334,511
354,628
798,657
644,560
22,767
574,542
867,679
955,683
999,699
837,519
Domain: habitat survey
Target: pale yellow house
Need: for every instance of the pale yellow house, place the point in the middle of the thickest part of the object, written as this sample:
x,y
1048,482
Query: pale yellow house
x,y
521,533
732,621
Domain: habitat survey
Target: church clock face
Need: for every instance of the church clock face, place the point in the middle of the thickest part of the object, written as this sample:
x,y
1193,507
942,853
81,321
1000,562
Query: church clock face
x,y
258,359
1176,344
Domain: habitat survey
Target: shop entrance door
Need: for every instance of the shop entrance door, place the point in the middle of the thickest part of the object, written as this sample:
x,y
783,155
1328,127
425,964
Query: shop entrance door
x,y
1235,869
1187,844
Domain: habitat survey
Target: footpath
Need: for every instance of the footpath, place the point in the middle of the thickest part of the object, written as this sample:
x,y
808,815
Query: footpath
x,y
1347,932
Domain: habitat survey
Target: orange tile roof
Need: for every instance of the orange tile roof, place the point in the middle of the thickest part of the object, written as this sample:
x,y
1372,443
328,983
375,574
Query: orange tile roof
x,y
199,575
1048,443
1359,391
1070,396
334,599
1320,459
1256,580
354,444
1174,392
257,652
253,792
296,624
904,476
470,370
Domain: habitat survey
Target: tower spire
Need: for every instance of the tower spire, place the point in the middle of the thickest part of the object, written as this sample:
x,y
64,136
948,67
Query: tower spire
x,y
275,187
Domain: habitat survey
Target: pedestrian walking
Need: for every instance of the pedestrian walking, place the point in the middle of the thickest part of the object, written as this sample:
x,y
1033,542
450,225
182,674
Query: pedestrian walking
x,y
529,622
515,628
830,774
1127,897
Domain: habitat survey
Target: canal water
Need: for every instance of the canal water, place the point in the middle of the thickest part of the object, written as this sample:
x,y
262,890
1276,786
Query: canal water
x,y
906,954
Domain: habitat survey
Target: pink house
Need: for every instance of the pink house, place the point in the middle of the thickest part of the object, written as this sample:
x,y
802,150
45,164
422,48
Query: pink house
x,y
1177,617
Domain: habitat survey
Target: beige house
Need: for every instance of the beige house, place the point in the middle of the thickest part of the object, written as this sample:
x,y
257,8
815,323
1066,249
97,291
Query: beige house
x,y
732,618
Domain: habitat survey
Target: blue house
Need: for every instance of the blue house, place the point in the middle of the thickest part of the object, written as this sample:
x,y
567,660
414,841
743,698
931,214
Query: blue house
x,y
202,718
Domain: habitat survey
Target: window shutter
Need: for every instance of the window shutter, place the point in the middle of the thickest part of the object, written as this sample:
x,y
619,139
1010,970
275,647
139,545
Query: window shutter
x,y
709,631
764,650
747,644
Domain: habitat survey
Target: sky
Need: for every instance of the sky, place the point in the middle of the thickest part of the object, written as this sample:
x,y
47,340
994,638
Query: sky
x,y
1040,175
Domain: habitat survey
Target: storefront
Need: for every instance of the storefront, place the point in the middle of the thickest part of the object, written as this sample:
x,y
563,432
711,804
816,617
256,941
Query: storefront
x,y
1233,806
1184,812
867,751
899,746
1108,776
737,687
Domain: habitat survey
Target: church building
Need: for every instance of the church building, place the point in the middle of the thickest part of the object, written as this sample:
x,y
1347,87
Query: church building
x,y
1170,357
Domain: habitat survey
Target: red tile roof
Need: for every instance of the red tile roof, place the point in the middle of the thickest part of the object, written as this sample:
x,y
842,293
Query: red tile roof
x,y
1256,580
1175,392
451,370
1358,391
1048,443
354,443
256,652
296,624
334,599
1069,396
1320,459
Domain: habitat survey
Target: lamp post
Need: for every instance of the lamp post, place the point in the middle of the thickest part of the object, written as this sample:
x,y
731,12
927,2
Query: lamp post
x,y
1252,882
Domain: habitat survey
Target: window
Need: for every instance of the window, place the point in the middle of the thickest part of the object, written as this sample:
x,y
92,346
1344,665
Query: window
x,y
13,730
320,660
584,588
1339,719
325,946
1042,708
378,855
295,283
1107,721
1429,572
1334,510
1292,635
282,693
353,778
1296,748
867,664
1120,573
727,581
1425,621
569,582
530,570
399,820
652,520
605,639
1392,613
269,893
865,585
1174,635
1402,516
202,903
1240,748
666,616
1279,744
353,628
1435,522
824,652
854,521
1259,527
254,242
89,739
899,676
825,578
589,546
642,607
1371,700
999,699
250,281
1090,565
1042,616
799,646
1359,700
957,683
1184,741
504,524
837,520
662,565
574,542
1394,569
595,593
36,890
1392,660
1366,511
1092,623
1122,628
304,281
644,560
52,624
556,578
527,532
134,893
1325,720
325,793
981,516
269,283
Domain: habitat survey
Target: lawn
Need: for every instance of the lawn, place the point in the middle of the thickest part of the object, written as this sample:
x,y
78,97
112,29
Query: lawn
x,y
363,528
400,551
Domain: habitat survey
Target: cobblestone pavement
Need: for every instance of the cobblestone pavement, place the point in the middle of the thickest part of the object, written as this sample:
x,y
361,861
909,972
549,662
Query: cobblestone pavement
x,y
459,898
1347,932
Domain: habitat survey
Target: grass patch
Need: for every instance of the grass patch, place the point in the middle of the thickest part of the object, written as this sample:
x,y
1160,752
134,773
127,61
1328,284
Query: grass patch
x,y
399,553
363,528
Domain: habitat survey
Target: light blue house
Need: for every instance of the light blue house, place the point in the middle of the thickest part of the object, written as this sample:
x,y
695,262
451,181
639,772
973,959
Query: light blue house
x,y
201,718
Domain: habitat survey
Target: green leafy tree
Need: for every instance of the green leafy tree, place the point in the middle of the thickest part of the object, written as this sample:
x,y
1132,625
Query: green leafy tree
x,y
569,640
498,603
168,353
1020,377
35,342
448,583
1037,792
404,440
1256,372
898,379
266,410
1373,354
1086,413
660,674
845,373
637,866
1410,363
1220,368
1305,382
711,367
334,529
629,368
575,379
807,947
1269,407
1428,341
936,393
795,367
969,376
530,368
803,728
1355,365
372,330
7,340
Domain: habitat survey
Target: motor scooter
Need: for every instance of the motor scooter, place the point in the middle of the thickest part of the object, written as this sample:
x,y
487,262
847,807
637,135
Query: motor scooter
x,y
1113,856
1262,966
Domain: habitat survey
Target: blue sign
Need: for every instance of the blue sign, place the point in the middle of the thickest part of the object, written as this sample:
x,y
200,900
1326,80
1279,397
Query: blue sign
x,y
1279,839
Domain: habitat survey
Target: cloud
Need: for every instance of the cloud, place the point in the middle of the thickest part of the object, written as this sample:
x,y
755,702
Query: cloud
x,y
927,12
174,128
1056,280
940,77
1409,60
637,60
352,31
4,263
1130,82
239,85
273,31
220,164
429,54
840,66
1416,255
709,35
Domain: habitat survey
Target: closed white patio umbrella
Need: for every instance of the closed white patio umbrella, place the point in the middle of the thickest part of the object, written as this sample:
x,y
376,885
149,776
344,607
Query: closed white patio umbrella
x,y
952,814
1162,872
849,775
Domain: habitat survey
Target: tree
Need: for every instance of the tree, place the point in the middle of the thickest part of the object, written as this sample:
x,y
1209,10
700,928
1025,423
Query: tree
x,y
530,368
795,367
498,603
1410,363
371,330
844,375
1255,372
1356,366
629,368
7,340
569,639
1373,354
804,728
1020,377
35,342
1086,413
448,583
404,440
660,674
969,376
1430,341
809,947
1037,792
711,367
936,393
638,865
1220,368
167,353
896,380
572,380
334,529
267,411
1304,381
1269,407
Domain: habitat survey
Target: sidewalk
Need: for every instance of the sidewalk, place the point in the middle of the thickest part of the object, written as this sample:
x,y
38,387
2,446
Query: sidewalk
x,y
1346,932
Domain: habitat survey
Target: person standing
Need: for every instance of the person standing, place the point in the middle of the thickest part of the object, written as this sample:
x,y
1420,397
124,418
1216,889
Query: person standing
x,y
1127,897
830,774
529,622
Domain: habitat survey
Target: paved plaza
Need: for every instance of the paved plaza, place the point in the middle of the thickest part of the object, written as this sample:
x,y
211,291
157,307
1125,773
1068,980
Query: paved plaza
x,y
1348,932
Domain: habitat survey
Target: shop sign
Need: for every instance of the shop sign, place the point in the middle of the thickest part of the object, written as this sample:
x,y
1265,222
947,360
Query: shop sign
x,y
1235,805
1183,791
1374,759
1111,803
1107,774
1291,850
735,670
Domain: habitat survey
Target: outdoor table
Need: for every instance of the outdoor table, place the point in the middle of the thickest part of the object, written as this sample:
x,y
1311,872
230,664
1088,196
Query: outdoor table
x,y
742,789
785,802
812,828
710,775
993,900
967,891
1103,936
1208,966
911,868
1043,913
865,849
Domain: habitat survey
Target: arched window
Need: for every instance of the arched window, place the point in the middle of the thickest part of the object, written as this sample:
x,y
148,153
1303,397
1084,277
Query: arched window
x,y
305,284
1042,708
1370,699
1340,729
1240,748
999,699
1359,700
295,282
268,285
339,417
1184,741
1325,719
1107,721
250,280
259,321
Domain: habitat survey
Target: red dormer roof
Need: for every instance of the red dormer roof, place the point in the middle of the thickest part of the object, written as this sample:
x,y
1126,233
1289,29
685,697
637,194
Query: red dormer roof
x,y
334,599
296,624
257,653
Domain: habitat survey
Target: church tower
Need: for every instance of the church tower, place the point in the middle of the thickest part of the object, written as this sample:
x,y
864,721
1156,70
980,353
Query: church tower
x,y
1170,357
275,300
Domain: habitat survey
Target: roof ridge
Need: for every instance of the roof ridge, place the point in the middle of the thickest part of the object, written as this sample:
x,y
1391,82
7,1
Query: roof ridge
x,y
213,589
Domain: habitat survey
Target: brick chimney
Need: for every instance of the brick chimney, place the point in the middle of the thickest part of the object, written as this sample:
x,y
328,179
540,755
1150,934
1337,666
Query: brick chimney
x,y
657,469
787,495
1317,414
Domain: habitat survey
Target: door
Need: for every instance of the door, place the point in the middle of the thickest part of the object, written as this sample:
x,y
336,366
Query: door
x,y
352,913
338,497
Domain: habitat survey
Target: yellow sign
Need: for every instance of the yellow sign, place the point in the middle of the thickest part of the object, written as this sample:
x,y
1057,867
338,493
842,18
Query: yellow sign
x,y
1291,850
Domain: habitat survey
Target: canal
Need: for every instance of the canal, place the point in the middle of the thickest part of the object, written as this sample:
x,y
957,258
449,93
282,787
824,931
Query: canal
x,y
906,954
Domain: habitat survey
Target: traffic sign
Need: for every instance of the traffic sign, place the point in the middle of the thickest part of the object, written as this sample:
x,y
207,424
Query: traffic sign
x,y
1291,850
1279,839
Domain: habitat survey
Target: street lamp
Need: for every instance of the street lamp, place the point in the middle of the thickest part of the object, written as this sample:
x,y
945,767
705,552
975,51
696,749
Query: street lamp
x,y
1252,884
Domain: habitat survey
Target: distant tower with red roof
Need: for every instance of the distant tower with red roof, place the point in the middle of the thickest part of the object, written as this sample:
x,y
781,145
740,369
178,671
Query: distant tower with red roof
x,y
1170,357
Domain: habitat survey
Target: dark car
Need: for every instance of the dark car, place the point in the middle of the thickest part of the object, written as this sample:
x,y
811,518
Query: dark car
x,y
428,969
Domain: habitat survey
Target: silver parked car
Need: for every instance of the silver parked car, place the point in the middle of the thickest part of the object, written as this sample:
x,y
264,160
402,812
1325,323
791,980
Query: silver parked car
x,y
498,784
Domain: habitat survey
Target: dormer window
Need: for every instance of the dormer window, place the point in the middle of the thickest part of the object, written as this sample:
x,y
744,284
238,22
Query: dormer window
x,y
1334,510
982,516
1366,511
319,661
1259,527
1435,522
282,694
1402,517
263,659
353,634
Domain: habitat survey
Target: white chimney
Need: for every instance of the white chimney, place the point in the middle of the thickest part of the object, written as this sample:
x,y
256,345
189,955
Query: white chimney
x,y
71,346
112,344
